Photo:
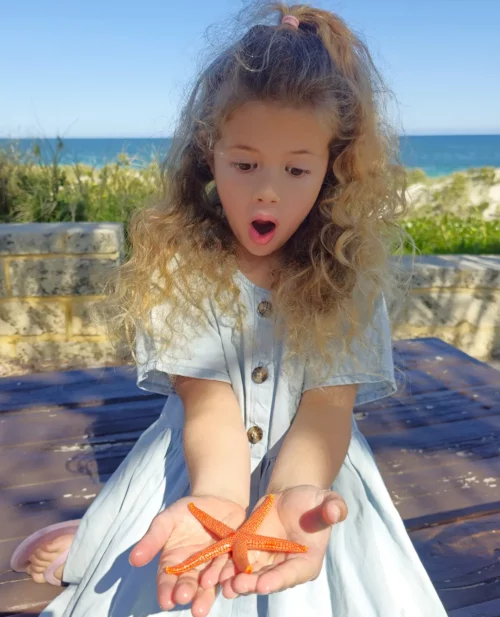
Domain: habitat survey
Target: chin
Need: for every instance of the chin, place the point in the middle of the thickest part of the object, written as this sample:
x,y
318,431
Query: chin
x,y
262,251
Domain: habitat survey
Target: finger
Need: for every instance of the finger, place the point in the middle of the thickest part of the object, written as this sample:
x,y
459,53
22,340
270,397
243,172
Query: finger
x,y
287,574
203,602
244,583
211,575
165,584
164,593
228,571
175,589
155,539
185,589
184,592
227,590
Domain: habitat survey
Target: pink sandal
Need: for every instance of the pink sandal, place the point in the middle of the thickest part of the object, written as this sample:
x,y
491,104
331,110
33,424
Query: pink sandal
x,y
19,561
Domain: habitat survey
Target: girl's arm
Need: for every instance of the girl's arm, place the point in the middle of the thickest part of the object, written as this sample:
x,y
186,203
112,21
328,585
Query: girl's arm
x,y
304,506
215,442
316,444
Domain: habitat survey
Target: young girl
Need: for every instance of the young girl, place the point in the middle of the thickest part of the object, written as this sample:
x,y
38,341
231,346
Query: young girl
x,y
256,298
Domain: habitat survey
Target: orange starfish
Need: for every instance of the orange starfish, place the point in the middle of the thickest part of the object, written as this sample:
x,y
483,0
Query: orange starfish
x,y
238,542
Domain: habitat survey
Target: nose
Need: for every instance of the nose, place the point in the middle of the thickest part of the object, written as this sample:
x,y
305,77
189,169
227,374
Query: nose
x,y
265,190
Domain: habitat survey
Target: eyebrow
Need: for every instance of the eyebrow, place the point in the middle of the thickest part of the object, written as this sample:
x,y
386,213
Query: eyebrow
x,y
244,147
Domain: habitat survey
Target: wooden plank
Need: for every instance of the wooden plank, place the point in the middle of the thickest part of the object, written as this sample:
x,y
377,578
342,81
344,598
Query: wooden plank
x,y
25,509
485,609
25,596
458,377
25,427
59,387
430,364
75,395
462,560
442,444
445,493
427,350
441,473
29,613
37,381
31,464
428,409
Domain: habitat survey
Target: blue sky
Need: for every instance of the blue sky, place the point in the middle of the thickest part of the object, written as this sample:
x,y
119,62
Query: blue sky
x,y
112,68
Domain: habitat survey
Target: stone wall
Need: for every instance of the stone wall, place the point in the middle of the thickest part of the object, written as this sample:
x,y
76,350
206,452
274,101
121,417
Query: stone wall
x,y
51,273
457,299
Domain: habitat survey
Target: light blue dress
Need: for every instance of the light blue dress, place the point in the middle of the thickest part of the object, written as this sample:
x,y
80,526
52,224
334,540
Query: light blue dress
x,y
370,569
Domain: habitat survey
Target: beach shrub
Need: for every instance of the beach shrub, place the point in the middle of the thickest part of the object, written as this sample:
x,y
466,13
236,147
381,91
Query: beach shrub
x,y
416,176
34,190
484,175
453,194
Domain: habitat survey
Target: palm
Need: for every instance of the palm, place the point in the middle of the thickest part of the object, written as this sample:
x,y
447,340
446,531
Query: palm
x,y
297,516
287,521
188,535
177,534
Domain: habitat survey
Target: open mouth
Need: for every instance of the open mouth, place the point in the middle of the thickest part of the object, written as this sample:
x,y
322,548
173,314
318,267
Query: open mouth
x,y
261,231
263,227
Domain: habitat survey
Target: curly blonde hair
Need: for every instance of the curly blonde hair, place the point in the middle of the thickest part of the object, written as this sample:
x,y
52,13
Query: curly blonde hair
x,y
342,257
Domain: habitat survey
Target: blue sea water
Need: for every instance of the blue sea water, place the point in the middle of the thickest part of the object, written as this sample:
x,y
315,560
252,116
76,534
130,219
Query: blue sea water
x,y
436,154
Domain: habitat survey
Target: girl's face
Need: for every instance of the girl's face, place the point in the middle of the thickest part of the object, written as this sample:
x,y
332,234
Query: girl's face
x,y
269,165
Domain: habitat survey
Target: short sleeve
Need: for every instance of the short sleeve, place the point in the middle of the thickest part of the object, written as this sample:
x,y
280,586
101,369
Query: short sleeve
x,y
370,366
199,355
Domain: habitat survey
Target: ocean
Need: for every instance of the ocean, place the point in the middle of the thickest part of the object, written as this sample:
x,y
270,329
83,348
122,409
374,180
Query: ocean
x,y
437,155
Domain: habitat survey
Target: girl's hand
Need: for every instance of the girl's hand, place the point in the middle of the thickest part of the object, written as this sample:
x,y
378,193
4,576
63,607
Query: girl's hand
x,y
303,514
178,535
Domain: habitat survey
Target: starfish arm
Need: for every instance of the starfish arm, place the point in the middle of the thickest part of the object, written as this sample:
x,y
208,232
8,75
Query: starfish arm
x,y
266,543
256,518
239,553
214,550
209,522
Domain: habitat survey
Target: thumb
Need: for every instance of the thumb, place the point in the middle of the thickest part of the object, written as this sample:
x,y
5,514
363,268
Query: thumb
x,y
153,541
331,510
334,508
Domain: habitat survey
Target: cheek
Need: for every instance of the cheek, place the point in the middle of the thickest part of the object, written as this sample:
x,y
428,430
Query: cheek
x,y
225,187
304,198
231,195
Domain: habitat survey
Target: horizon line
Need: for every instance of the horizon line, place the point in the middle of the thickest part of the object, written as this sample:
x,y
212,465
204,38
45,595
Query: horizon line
x,y
4,137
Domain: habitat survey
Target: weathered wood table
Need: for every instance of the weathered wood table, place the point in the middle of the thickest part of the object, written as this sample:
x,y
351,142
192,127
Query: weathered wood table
x,y
437,444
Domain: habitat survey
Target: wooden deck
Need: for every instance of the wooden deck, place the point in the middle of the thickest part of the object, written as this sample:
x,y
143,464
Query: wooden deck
x,y
437,445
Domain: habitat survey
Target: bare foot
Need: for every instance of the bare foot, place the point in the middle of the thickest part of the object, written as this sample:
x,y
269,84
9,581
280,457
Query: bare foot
x,y
45,554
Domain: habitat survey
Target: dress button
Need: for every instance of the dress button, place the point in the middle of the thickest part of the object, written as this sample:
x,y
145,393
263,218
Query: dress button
x,y
254,434
265,308
259,374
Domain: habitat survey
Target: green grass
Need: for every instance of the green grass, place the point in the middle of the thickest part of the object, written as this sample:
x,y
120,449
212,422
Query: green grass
x,y
36,187
448,233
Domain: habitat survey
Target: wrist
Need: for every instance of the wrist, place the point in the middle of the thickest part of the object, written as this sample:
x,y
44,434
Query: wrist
x,y
282,486
236,495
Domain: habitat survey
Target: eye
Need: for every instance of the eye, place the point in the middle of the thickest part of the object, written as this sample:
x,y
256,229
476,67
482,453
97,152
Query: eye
x,y
302,172
240,165
245,167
